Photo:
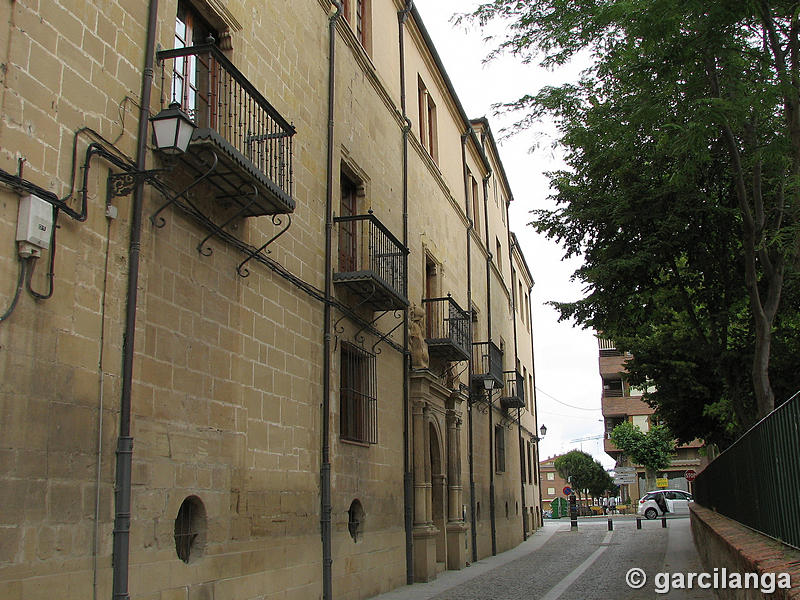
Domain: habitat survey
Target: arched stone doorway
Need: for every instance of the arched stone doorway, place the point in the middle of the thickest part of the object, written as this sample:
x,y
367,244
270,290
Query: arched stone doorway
x,y
439,530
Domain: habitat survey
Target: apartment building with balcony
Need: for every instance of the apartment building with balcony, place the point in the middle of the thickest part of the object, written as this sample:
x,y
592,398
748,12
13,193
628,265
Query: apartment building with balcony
x,y
622,402
292,360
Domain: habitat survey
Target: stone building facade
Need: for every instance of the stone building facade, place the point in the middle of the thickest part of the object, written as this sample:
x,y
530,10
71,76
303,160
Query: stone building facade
x,y
293,361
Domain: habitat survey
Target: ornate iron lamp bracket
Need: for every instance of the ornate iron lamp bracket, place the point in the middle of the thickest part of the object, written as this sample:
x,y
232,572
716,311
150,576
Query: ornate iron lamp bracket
x,y
122,184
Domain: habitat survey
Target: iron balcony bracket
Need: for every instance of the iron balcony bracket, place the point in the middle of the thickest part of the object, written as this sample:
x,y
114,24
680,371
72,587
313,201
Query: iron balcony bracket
x,y
158,221
386,335
218,229
276,220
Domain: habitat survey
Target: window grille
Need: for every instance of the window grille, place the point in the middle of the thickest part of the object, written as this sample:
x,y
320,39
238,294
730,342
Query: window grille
x,y
190,526
499,448
358,391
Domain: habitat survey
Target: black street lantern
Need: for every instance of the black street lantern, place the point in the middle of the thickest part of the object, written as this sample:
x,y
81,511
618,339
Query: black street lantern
x,y
172,129
542,431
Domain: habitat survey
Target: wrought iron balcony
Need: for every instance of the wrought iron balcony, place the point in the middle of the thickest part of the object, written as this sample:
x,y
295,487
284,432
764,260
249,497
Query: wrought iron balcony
x,y
487,363
447,329
371,262
242,146
513,395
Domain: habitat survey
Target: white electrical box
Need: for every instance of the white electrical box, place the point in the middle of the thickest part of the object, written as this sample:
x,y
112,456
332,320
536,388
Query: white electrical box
x,y
35,221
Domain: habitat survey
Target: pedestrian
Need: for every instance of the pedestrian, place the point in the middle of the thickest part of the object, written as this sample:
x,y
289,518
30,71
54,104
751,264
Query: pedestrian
x,y
612,504
661,502
605,505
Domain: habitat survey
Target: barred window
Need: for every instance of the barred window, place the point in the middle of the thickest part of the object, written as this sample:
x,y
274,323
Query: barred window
x,y
530,464
499,448
358,388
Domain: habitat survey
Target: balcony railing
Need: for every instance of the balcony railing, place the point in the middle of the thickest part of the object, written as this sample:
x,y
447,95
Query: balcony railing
x,y
252,141
371,262
487,363
447,329
608,347
606,344
513,395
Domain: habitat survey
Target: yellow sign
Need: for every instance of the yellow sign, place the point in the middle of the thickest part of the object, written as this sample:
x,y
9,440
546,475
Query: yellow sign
x,y
662,482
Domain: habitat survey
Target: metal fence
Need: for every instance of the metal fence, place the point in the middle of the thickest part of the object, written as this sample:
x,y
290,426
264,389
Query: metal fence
x,y
757,480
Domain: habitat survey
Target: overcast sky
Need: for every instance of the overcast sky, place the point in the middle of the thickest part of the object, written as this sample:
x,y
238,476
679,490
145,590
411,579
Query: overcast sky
x,y
567,378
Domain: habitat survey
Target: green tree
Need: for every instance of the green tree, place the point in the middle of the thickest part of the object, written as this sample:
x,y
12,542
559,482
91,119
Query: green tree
x,y
601,483
584,473
652,449
683,147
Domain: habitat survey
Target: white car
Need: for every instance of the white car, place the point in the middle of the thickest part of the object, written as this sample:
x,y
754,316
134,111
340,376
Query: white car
x,y
659,502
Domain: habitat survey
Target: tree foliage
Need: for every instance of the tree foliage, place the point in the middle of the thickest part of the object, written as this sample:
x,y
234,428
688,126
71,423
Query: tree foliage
x,y
652,449
683,147
584,473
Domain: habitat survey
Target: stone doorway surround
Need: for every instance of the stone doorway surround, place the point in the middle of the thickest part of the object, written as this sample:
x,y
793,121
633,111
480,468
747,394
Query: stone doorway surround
x,y
439,530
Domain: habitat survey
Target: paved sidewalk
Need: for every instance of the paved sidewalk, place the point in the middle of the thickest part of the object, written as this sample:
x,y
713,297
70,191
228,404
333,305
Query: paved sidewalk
x,y
450,579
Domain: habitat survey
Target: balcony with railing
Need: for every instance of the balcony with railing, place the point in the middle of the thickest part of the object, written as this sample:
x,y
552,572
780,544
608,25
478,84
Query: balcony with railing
x,y
613,388
242,146
487,364
371,262
447,329
608,347
513,395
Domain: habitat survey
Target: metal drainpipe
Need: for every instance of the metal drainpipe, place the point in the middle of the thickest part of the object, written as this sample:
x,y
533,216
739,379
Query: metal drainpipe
x,y
516,355
489,330
473,522
325,464
122,500
537,456
408,476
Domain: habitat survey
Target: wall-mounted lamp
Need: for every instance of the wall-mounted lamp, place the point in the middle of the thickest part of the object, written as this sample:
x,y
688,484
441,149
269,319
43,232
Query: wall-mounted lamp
x,y
542,431
172,130
488,384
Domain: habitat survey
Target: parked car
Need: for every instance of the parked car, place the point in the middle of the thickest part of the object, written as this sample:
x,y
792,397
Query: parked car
x,y
659,502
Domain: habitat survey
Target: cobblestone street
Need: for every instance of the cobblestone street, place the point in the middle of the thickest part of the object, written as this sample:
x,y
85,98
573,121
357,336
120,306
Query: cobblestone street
x,y
591,563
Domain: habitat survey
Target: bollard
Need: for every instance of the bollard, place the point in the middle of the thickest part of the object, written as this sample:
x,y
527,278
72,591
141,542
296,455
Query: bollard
x,y
573,513
663,522
610,524
638,523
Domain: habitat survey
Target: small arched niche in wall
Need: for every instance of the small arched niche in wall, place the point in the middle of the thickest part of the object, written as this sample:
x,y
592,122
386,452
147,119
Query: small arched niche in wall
x,y
190,529
355,520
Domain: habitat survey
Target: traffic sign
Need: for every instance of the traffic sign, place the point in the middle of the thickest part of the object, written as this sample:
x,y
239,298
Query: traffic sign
x,y
624,480
623,470
662,482
567,490
690,474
